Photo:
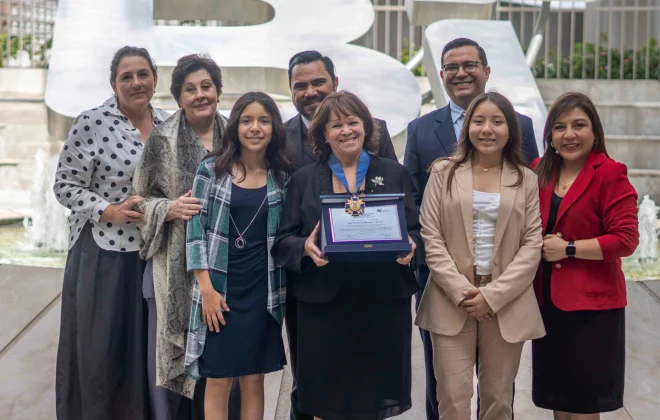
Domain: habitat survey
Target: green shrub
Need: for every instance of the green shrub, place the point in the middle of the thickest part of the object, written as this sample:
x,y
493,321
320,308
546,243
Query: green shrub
x,y
584,58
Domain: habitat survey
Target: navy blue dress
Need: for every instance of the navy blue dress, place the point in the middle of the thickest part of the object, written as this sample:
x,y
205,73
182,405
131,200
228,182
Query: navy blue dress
x,y
251,342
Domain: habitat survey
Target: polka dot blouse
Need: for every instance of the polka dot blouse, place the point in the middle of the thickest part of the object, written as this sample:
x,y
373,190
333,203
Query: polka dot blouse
x,y
96,169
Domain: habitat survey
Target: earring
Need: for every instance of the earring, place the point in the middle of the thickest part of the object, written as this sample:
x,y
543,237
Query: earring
x,y
510,140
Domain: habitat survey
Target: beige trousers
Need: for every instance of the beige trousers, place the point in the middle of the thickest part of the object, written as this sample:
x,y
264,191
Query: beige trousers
x,y
454,359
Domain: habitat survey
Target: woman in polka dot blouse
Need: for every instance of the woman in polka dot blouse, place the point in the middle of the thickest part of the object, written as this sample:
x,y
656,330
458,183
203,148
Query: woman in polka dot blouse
x,y
101,360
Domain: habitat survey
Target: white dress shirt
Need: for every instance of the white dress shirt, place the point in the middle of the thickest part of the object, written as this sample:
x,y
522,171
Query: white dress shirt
x,y
96,169
484,217
305,121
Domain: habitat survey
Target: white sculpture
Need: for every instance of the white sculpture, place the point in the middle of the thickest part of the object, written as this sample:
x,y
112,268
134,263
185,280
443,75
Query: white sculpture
x,y
253,57
648,236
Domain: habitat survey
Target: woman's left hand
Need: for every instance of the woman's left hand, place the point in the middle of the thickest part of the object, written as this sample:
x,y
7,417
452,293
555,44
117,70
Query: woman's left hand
x,y
475,304
554,248
408,258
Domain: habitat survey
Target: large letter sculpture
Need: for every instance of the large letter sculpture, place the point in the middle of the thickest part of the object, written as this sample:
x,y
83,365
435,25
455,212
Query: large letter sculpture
x,y
252,57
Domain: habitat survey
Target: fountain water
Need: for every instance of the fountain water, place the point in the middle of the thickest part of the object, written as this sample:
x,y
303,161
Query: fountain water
x,y
48,227
648,236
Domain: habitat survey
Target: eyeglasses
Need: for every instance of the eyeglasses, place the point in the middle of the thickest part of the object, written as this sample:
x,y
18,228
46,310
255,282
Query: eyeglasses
x,y
468,66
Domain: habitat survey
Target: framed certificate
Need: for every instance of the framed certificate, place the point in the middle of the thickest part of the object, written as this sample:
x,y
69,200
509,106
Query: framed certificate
x,y
379,234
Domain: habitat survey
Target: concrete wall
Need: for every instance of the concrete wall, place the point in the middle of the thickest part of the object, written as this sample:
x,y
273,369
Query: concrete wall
x,y
22,84
622,91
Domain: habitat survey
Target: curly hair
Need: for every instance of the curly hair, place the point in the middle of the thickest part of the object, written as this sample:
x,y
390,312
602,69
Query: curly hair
x,y
190,64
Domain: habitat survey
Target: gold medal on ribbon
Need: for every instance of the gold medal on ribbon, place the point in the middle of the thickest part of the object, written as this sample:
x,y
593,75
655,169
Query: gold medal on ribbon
x,y
355,206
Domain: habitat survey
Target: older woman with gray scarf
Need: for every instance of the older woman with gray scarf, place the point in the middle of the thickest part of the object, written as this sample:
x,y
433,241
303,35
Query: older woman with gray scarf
x,y
164,178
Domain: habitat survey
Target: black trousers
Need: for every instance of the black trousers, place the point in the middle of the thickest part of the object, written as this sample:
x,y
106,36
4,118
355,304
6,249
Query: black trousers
x,y
291,322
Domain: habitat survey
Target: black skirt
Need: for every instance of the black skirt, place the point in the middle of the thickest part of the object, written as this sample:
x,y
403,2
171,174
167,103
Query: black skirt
x,y
354,357
102,353
578,367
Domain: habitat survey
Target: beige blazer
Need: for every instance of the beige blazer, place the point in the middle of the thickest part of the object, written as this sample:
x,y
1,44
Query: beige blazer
x,y
447,233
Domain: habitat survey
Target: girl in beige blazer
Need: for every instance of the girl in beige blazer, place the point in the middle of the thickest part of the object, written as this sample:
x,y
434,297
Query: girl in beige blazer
x,y
479,304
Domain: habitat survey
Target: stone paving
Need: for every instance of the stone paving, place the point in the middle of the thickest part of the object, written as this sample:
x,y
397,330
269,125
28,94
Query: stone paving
x,y
30,308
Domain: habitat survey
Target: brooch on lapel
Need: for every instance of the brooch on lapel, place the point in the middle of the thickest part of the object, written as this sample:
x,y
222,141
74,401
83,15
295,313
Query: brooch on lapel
x,y
378,181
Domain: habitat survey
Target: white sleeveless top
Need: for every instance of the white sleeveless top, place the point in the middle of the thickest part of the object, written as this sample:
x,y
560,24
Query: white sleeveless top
x,y
484,217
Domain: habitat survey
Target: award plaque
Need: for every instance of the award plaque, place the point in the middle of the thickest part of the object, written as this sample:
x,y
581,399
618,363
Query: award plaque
x,y
377,233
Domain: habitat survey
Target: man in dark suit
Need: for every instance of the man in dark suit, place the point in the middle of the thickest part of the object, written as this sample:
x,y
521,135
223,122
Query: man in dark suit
x,y
464,74
311,78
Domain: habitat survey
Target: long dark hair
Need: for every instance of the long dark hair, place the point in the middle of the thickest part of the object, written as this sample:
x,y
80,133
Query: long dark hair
x,y
512,151
230,151
551,162
347,104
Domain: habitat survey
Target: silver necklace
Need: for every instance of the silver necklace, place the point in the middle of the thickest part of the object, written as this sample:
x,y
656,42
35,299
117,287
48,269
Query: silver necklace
x,y
240,241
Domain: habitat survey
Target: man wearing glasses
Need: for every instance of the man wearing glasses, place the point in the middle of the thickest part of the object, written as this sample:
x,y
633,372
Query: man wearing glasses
x,y
464,75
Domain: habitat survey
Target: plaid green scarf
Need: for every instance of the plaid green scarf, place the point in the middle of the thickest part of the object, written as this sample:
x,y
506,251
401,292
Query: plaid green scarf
x,y
207,248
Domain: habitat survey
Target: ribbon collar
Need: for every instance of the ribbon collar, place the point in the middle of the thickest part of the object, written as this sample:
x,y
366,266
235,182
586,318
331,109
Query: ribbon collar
x,y
338,171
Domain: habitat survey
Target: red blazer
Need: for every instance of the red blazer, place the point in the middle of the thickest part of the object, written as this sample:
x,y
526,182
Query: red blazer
x,y
601,204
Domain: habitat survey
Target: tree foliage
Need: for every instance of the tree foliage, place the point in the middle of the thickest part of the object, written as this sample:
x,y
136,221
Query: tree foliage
x,y
40,58
406,56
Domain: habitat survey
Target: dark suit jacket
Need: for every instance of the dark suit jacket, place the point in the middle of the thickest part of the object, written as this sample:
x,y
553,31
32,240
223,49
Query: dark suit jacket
x,y
301,152
432,136
301,212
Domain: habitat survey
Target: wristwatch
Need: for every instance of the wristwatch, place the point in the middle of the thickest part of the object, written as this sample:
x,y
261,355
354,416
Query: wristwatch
x,y
570,249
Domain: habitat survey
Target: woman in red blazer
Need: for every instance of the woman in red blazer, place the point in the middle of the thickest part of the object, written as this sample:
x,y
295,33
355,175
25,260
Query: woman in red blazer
x,y
589,215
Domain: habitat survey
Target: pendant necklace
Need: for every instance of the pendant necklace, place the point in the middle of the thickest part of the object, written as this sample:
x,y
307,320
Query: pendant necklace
x,y
564,186
240,241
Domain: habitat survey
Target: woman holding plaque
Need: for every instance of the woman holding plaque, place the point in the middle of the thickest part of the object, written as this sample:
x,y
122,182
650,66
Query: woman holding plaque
x,y
482,233
354,320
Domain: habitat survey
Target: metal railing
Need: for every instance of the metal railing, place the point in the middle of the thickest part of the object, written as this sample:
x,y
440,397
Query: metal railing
x,y
392,33
607,39
26,32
